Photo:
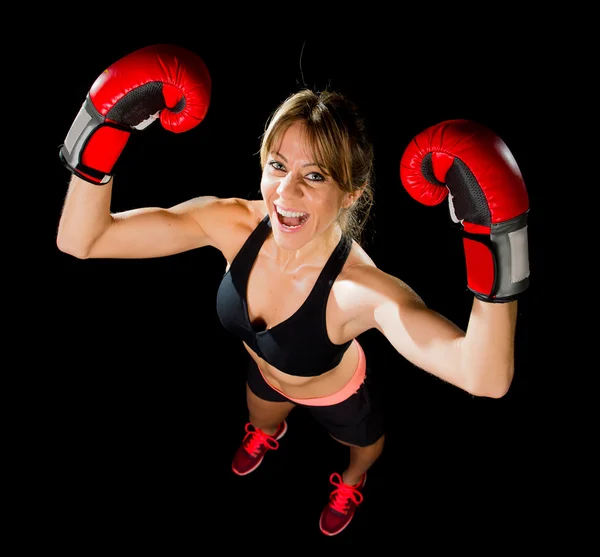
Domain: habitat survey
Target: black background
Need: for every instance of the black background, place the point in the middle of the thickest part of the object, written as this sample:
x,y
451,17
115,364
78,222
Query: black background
x,y
148,401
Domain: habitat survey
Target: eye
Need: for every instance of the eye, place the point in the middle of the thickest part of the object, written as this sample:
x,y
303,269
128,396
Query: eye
x,y
315,177
276,165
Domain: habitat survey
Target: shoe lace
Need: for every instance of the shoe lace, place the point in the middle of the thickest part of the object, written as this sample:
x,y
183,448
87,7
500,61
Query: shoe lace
x,y
255,439
341,496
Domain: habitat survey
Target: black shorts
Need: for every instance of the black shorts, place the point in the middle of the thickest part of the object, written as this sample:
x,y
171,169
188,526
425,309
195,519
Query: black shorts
x,y
358,420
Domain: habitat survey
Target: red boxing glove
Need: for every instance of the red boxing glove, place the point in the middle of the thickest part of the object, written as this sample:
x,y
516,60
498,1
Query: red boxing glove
x,y
471,166
161,81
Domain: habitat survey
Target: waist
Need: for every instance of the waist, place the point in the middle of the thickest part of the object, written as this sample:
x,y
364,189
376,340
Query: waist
x,y
346,391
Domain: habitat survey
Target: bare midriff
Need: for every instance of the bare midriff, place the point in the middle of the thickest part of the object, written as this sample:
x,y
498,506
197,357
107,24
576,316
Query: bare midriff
x,y
332,387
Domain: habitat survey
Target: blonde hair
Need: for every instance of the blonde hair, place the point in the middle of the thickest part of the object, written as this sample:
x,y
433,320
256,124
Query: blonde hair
x,y
340,143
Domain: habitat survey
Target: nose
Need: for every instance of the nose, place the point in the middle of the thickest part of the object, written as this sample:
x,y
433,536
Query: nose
x,y
288,187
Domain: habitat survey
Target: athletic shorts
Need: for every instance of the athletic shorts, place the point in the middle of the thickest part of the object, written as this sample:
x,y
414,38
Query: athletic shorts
x,y
357,419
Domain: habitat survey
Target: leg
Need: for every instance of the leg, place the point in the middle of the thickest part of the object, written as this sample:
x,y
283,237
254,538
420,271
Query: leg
x,y
361,459
266,415
348,492
267,411
356,422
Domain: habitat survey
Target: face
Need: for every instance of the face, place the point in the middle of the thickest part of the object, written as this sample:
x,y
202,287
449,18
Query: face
x,y
302,200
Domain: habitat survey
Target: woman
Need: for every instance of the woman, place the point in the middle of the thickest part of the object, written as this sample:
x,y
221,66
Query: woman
x,y
298,288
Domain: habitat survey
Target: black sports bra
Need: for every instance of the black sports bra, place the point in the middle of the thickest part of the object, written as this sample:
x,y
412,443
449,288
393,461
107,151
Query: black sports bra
x,y
299,345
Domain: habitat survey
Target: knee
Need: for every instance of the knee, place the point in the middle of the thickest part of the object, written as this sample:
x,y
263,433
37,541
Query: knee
x,y
374,447
379,444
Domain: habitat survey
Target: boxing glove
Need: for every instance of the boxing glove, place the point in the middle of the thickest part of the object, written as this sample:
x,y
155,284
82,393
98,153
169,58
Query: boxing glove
x,y
472,167
164,82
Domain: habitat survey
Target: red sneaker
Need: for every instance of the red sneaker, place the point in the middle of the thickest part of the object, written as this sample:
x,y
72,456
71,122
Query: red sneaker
x,y
255,445
343,502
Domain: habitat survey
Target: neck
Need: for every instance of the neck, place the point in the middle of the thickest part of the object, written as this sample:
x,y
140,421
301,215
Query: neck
x,y
314,252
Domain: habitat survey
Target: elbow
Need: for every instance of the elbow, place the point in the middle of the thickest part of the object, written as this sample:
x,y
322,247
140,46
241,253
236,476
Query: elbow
x,y
491,386
498,391
70,248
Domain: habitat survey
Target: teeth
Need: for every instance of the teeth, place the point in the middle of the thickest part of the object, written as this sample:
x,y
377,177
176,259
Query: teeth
x,y
289,213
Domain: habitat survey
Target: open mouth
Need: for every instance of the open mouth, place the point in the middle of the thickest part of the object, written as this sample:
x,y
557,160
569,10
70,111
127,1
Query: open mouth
x,y
291,219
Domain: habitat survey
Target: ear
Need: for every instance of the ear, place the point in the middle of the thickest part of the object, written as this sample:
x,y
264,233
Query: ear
x,y
350,198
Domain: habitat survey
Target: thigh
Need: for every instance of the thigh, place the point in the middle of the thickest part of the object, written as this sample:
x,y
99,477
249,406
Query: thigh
x,y
266,410
263,401
358,420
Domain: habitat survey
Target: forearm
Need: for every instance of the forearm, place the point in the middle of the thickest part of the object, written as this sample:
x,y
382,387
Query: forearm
x,y
488,348
85,216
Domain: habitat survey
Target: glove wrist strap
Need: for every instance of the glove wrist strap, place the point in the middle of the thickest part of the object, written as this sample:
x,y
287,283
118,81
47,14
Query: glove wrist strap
x,y
498,263
93,145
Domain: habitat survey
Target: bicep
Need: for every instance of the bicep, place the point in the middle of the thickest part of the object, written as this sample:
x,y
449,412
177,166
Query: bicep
x,y
154,232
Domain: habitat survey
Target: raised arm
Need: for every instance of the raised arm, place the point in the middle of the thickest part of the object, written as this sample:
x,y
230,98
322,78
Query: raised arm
x,y
87,229
470,166
161,82
479,360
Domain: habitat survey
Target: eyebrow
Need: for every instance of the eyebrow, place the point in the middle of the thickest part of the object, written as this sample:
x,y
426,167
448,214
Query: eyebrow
x,y
303,166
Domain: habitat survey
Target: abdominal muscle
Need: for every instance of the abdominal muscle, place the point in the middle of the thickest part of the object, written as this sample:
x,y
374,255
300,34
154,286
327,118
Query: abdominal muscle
x,y
325,384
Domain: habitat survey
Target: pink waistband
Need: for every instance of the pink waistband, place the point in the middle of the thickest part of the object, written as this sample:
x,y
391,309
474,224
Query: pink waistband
x,y
345,392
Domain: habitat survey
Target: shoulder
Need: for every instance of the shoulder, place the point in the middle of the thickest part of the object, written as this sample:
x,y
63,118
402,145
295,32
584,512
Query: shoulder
x,y
227,221
363,292
366,287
